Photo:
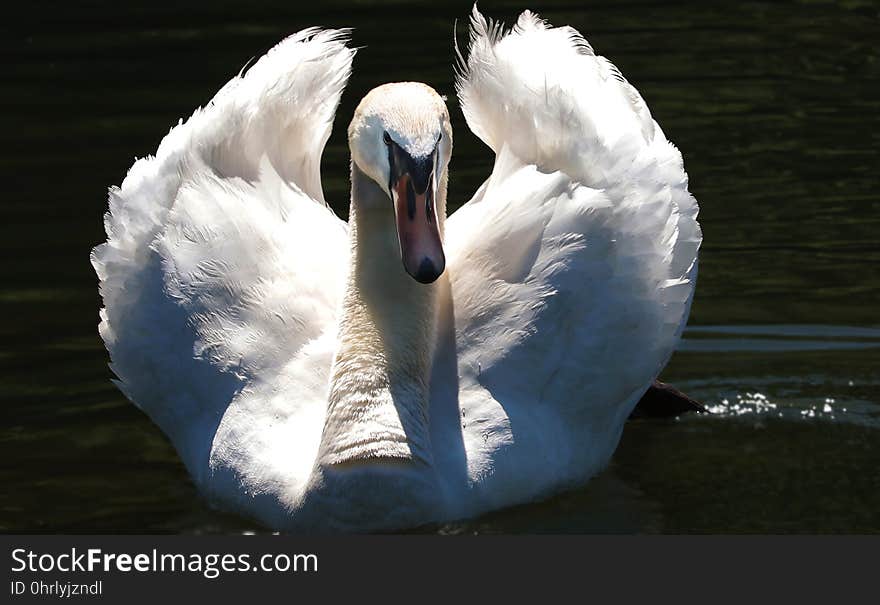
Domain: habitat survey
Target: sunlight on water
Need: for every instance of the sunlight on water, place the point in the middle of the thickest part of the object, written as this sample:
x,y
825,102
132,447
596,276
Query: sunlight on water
x,y
758,404
751,403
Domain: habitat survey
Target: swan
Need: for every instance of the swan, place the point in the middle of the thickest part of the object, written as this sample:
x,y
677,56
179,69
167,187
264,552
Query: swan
x,y
406,367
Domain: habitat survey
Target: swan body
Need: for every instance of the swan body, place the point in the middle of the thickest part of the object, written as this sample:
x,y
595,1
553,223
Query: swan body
x,y
309,378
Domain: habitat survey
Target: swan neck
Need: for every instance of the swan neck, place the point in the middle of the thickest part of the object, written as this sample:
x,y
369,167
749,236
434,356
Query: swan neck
x,y
379,383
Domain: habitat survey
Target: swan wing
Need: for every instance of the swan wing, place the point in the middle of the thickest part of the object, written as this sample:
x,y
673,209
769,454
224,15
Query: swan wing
x,y
572,268
223,265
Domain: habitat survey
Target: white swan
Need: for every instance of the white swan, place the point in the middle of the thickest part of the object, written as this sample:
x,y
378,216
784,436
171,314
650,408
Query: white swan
x,y
307,378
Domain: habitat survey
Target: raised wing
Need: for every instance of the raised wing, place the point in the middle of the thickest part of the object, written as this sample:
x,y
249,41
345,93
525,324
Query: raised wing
x,y
223,263
573,266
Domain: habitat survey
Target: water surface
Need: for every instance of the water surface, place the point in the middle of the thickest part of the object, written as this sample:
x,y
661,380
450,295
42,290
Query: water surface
x,y
774,106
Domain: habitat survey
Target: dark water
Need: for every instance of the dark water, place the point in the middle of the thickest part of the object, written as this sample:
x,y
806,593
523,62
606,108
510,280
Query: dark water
x,y
774,105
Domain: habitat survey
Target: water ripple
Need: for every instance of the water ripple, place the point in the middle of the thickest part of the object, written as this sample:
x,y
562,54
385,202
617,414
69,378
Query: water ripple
x,y
779,338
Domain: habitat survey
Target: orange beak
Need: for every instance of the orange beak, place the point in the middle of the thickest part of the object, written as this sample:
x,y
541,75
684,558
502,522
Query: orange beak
x,y
418,231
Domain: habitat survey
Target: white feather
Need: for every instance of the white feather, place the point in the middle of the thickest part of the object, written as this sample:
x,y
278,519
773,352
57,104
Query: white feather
x,y
222,273
572,268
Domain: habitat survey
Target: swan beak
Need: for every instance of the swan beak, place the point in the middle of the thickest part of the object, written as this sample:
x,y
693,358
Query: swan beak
x,y
413,190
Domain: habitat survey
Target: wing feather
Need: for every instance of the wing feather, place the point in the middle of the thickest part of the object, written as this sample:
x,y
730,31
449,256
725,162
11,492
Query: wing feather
x,y
223,264
573,267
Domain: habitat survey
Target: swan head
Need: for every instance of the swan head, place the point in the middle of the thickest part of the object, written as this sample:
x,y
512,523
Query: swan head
x,y
401,138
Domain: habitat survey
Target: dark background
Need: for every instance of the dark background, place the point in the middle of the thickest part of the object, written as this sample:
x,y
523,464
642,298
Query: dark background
x,y
774,106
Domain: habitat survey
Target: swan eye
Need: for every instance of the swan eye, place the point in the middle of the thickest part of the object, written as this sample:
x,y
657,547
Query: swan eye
x,y
386,137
